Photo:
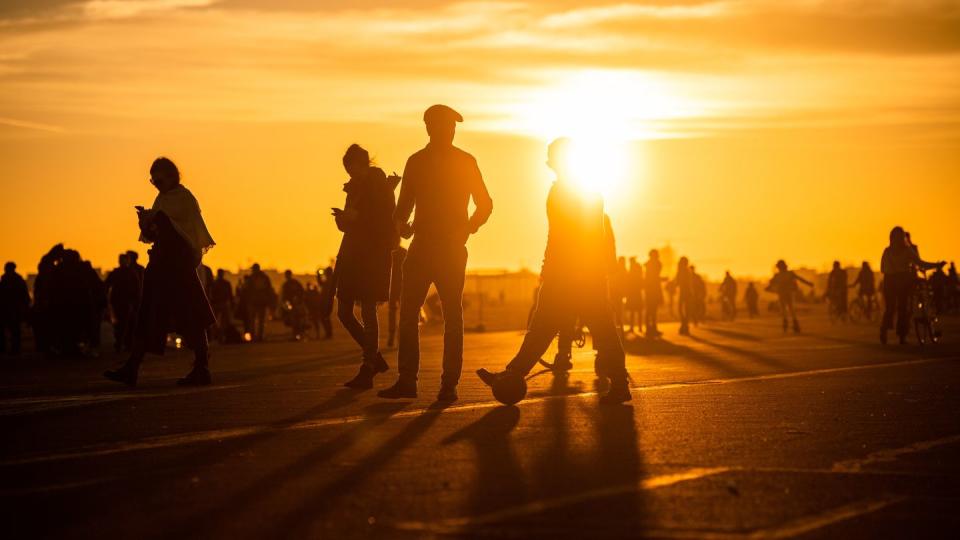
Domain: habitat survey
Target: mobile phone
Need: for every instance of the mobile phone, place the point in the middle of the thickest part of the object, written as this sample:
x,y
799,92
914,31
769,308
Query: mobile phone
x,y
139,208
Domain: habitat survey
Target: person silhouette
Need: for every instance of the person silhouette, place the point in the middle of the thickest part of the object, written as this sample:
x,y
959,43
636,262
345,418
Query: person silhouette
x,y
635,286
439,181
784,284
293,305
123,286
173,298
683,283
221,298
866,288
652,291
363,262
836,293
899,264
260,296
728,293
574,281
328,290
752,299
699,304
14,307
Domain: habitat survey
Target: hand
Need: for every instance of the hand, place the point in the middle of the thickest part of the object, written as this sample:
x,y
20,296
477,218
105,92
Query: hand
x,y
405,230
393,180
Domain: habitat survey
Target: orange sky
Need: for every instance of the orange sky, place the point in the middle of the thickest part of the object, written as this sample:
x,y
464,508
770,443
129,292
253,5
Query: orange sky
x,y
755,129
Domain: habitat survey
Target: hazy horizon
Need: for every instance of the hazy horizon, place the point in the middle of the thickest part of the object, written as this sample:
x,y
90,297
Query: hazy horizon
x,y
740,132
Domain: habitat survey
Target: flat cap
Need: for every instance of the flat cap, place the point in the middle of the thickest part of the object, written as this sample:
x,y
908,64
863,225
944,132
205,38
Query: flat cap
x,y
441,113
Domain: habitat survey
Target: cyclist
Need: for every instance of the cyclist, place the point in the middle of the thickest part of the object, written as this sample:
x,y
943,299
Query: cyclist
x,y
784,284
899,265
866,288
837,291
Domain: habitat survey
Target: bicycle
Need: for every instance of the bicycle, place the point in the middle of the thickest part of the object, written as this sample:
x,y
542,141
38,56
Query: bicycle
x,y
926,322
862,308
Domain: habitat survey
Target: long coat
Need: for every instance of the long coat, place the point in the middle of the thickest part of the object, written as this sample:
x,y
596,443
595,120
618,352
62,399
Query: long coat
x,y
363,262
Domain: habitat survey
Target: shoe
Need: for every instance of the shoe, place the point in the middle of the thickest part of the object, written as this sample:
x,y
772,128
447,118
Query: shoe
x,y
487,377
122,375
883,336
448,393
363,379
400,389
619,393
562,362
197,377
377,364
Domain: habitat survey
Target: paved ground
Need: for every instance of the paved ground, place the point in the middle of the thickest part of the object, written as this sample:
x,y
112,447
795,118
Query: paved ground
x,y
736,432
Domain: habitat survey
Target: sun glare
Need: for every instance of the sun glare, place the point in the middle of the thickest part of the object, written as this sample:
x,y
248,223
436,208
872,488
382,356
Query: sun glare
x,y
604,113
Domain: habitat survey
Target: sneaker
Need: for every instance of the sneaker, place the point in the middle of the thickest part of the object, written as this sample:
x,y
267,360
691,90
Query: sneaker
x,y
197,377
487,377
400,389
448,392
377,363
619,393
122,375
363,379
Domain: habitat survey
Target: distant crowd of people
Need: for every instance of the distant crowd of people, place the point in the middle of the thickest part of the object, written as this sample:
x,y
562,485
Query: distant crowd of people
x,y
582,281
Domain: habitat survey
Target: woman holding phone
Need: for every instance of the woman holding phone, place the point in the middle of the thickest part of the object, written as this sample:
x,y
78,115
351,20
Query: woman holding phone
x,y
173,298
362,271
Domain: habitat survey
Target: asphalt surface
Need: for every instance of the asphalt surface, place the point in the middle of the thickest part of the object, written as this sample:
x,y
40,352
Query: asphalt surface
x,y
739,431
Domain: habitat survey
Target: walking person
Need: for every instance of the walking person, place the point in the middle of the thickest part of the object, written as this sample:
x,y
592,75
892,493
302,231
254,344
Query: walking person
x,y
652,293
221,298
752,299
439,181
123,286
260,298
328,290
899,264
574,276
784,284
635,295
173,299
14,307
683,284
363,262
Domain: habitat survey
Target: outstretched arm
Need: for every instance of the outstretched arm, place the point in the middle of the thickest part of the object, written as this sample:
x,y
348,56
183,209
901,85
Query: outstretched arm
x,y
800,279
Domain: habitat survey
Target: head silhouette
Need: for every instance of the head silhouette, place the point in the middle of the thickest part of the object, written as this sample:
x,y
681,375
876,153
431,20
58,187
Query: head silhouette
x,y
10,267
133,256
356,161
866,265
898,238
288,274
781,265
836,265
220,273
441,122
123,260
654,254
164,175
255,267
683,263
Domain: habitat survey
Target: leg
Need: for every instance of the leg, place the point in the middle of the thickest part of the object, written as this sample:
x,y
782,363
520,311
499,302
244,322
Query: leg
x,y
15,337
416,283
392,321
345,312
902,300
551,314
371,329
449,284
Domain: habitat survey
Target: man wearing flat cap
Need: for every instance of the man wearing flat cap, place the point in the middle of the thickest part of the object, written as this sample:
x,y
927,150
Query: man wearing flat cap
x,y
439,181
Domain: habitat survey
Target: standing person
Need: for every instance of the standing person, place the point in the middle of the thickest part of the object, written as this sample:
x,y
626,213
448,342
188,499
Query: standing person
x,y
635,284
618,288
653,294
293,305
314,303
363,262
699,311
123,287
396,286
138,268
836,293
683,284
173,298
866,288
784,284
728,292
221,298
259,298
439,181
899,264
752,299
575,277
328,291
14,306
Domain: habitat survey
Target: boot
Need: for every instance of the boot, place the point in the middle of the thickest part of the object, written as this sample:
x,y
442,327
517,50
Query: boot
x,y
562,362
363,380
619,393
400,389
377,363
448,393
125,375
